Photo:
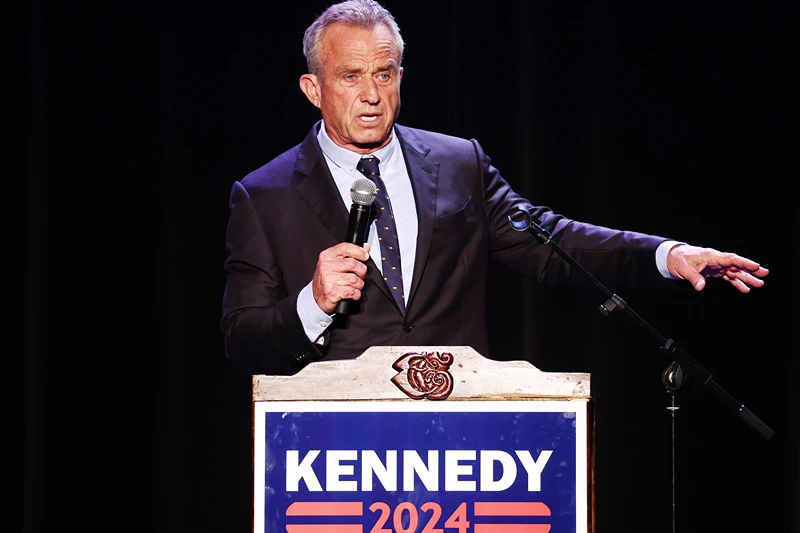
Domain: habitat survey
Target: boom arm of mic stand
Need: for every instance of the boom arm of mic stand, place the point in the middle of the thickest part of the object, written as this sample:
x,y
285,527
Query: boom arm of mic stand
x,y
523,221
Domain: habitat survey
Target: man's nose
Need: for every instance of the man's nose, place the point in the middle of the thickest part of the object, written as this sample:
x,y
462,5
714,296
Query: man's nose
x,y
369,92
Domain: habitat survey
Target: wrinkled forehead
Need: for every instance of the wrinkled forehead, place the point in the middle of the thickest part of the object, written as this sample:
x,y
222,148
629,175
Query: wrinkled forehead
x,y
345,38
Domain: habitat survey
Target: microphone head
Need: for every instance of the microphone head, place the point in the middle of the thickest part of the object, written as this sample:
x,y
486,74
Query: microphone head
x,y
363,191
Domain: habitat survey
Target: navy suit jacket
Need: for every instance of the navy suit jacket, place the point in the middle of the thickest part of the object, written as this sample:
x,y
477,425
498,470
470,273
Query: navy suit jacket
x,y
286,212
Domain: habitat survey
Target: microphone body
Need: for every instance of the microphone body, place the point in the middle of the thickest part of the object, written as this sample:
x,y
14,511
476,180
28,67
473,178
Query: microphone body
x,y
358,225
362,192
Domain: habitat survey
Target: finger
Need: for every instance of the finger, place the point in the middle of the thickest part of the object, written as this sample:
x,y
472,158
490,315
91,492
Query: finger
x,y
350,265
738,284
329,292
729,259
341,265
332,284
745,277
360,269
346,249
340,251
350,280
347,292
692,276
325,295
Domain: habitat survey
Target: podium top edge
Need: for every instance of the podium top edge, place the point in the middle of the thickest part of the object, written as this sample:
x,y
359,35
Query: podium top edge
x,y
452,373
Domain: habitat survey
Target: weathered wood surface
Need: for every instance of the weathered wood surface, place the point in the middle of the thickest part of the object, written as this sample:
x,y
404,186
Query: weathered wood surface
x,y
369,377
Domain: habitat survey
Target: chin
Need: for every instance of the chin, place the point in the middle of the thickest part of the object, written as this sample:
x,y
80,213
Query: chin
x,y
371,141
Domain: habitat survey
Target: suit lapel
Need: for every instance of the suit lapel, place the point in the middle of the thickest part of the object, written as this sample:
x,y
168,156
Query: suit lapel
x,y
318,189
424,174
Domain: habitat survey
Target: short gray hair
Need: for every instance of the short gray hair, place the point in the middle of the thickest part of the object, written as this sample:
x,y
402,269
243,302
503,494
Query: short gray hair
x,y
359,13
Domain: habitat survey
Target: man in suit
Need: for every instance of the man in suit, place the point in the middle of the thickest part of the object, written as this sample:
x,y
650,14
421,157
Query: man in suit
x,y
442,213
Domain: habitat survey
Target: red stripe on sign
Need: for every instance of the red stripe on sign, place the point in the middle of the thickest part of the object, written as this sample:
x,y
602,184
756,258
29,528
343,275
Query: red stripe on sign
x,y
512,528
326,509
511,509
326,528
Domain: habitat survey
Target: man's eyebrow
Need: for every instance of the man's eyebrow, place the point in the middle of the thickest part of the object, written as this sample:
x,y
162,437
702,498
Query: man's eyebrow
x,y
355,69
349,69
389,65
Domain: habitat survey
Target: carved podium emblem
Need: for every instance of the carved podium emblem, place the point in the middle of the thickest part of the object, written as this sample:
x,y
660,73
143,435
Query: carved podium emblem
x,y
424,375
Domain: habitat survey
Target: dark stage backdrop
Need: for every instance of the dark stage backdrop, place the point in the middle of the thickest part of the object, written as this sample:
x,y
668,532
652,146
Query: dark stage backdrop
x,y
665,118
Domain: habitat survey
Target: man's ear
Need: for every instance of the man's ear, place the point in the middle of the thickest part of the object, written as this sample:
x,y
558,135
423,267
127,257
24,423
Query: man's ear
x,y
309,84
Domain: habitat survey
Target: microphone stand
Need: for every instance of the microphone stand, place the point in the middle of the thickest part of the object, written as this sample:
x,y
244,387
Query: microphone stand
x,y
673,375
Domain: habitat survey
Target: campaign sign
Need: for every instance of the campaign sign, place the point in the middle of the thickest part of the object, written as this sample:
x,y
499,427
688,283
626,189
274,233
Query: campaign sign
x,y
420,467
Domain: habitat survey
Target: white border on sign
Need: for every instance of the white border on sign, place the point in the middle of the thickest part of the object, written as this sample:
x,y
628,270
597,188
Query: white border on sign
x,y
579,407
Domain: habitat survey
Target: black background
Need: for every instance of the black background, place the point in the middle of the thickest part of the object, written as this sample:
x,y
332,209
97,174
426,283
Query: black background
x,y
668,118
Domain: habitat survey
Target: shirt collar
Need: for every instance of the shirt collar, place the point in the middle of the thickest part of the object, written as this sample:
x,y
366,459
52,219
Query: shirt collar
x,y
346,159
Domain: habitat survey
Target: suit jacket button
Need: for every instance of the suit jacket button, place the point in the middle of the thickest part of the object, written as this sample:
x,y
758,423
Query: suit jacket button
x,y
407,328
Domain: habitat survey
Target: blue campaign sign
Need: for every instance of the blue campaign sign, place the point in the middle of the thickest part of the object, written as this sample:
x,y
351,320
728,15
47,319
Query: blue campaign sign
x,y
427,467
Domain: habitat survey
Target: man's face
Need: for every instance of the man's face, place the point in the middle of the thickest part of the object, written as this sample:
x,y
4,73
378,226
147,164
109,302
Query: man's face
x,y
359,93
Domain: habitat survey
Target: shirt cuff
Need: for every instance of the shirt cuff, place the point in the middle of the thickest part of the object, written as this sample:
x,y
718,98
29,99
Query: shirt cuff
x,y
315,321
661,257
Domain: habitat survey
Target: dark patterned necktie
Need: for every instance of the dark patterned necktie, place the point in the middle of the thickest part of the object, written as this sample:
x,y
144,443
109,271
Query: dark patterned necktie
x,y
387,232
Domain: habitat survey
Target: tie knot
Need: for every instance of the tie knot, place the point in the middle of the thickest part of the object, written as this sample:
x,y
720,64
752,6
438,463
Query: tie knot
x,y
369,166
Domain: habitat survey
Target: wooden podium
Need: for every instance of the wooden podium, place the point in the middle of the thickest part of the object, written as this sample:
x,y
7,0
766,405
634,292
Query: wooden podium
x,y
422,439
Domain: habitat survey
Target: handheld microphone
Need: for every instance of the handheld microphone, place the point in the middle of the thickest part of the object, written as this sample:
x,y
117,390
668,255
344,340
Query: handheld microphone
x,y
362,192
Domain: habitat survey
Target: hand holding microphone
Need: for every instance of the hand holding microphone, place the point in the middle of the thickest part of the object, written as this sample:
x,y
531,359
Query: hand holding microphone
x,y
338,279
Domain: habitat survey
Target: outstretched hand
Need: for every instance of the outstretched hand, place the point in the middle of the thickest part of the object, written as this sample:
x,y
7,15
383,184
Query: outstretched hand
x,y
694,264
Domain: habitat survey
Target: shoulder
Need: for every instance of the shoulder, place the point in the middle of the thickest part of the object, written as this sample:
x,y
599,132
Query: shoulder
x,y
285,170
277,173
441,147
433,139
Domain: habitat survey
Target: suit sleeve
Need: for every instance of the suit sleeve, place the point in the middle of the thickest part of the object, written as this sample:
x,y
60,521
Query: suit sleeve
x,y
262,332
614,257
